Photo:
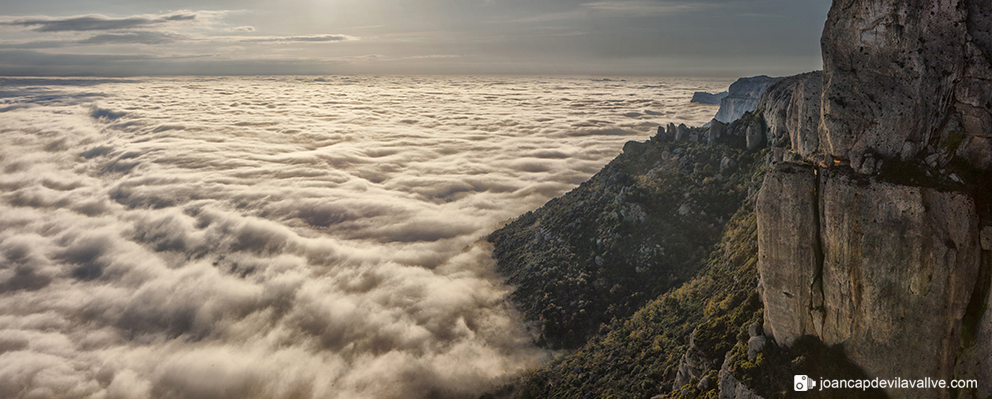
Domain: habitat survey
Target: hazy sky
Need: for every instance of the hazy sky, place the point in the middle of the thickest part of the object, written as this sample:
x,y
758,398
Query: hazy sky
x,y
624,37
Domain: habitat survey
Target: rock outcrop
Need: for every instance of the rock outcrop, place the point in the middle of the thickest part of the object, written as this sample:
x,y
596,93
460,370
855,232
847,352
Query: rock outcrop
x,y
743,97
755,134
717,130
791,110
789,258
661,135
897,74
702,97
730,387
681,132
695,363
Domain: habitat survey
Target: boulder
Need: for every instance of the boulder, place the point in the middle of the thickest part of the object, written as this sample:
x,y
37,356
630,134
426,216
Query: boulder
x,y
727,163
743,97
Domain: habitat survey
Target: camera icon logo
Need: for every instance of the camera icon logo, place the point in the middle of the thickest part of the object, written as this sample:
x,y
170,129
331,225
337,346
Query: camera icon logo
x,y
802,383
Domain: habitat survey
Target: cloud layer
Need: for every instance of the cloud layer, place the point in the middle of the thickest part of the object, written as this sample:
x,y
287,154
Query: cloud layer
x,y
284,238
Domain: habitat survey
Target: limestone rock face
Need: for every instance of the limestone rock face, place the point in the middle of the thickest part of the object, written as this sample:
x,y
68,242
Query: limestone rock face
x,y
788,253
872,266
755,135
975,361
973,92
899,267
895,70
898,276
791,109
743,97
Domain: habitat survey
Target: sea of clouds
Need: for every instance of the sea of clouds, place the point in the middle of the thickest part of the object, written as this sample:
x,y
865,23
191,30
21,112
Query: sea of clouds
x,y
285,237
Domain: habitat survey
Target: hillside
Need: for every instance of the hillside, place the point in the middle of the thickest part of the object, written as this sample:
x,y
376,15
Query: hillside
x,y
865,254
643,225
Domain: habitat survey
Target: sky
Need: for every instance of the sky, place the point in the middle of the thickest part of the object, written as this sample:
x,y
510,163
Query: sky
x,y
707,38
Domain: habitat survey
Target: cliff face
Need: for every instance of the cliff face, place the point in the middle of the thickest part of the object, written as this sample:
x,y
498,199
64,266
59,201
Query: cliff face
x,y
787,236
791,110
887,271
901,75
743,97
899,267
872,241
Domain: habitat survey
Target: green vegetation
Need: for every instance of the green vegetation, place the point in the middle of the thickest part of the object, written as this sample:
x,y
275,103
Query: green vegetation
x,y
640,227
639,357
655,254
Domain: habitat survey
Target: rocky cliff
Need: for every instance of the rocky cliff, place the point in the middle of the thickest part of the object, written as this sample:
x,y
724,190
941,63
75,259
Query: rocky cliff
x,y
885,270
871,240
639,227
743,96
791,111
902,76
